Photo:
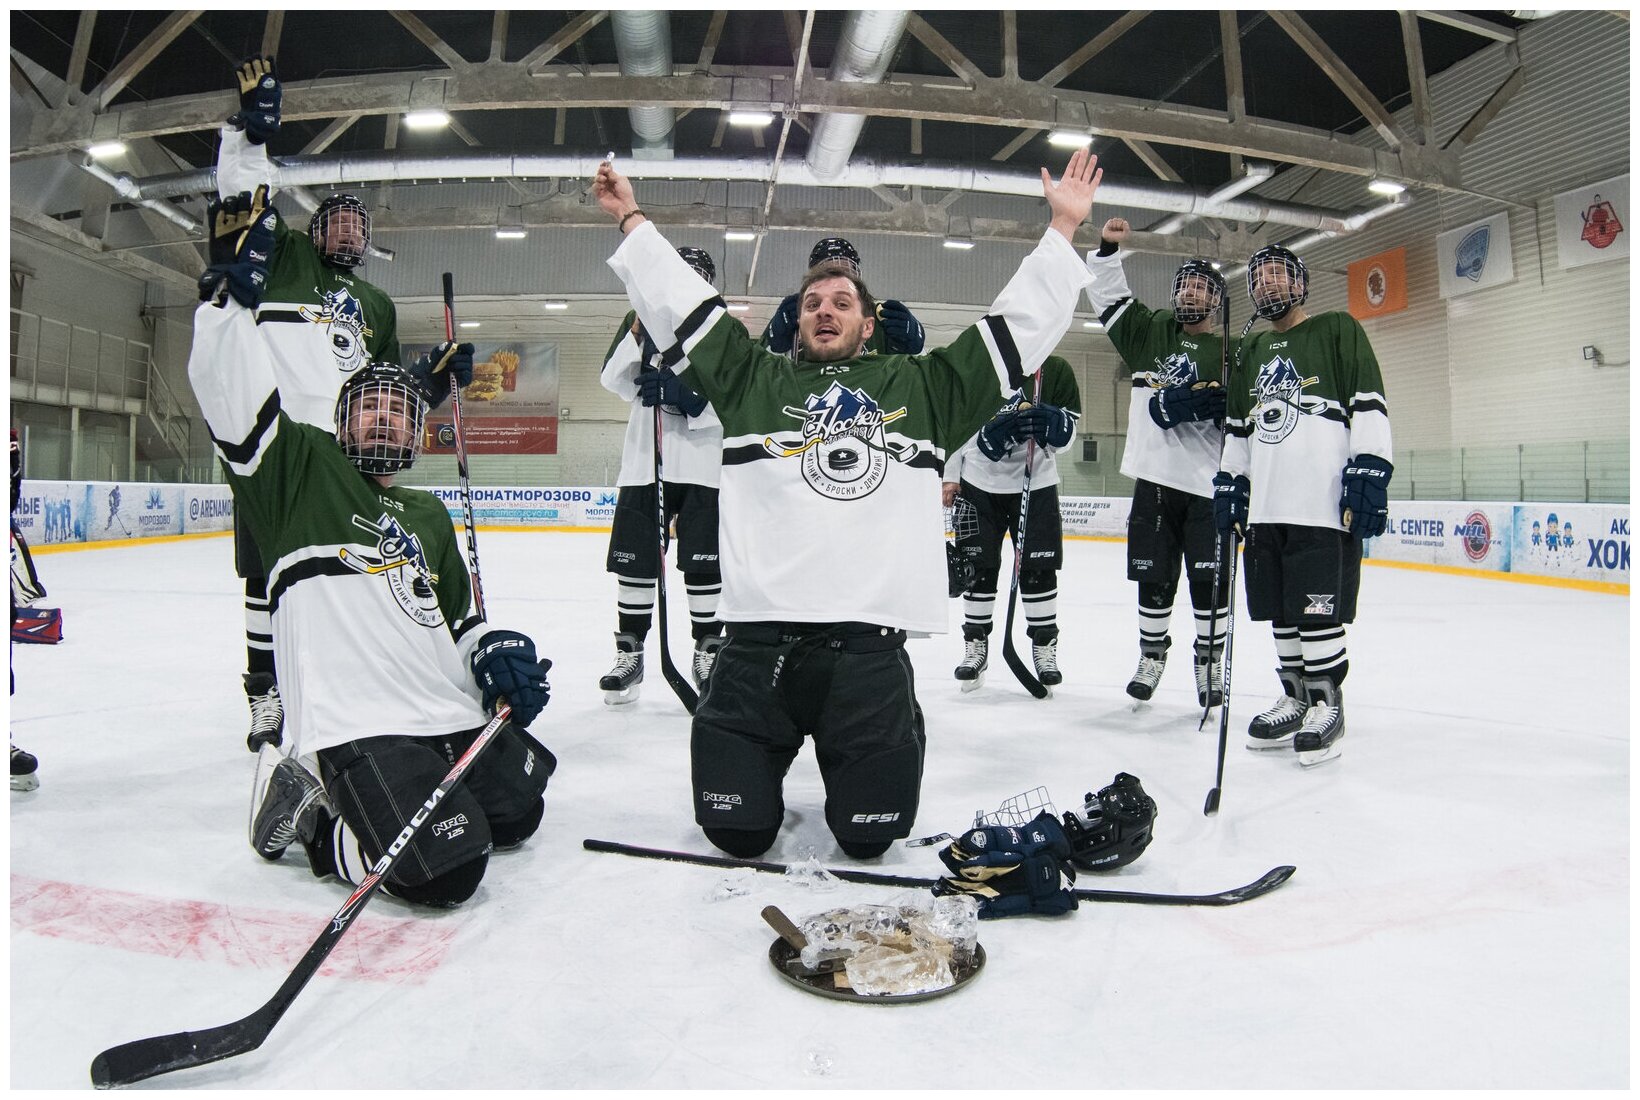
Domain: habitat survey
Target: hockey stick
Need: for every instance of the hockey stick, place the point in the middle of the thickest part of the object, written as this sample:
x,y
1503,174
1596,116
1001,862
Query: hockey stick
x,y
143,1058
1009,653
1270,880
1211,806
680,686
461,452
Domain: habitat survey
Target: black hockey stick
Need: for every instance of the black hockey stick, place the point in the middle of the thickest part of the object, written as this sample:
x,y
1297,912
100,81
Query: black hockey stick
x,y
461,451
143,1058
1025,675
1211,806
1270,880
680,686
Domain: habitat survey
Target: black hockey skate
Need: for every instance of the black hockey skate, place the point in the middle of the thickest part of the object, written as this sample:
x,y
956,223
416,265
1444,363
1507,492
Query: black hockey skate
x,y
1317,740
706,654
1209,675
290,808
970,673
1152,661
267,710
1274,729
620,684
25,770
1045,656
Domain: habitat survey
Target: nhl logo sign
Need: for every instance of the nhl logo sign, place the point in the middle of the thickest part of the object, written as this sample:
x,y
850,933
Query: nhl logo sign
x,y
1476,535
1600,224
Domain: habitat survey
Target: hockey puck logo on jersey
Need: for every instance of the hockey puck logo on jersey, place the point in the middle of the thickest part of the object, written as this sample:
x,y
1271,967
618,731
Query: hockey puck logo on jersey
x,y
343,316
1476,535
1278,399
844,448
1320,605
1600,224
1470,258
399,560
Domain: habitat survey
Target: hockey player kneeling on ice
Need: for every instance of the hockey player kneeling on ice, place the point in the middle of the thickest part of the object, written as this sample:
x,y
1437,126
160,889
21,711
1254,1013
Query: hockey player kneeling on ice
x,y
990,472
830,527
1306,469
388,672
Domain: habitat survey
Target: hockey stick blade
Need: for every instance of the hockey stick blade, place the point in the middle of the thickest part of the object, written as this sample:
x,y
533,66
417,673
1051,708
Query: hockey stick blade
x,y
1017,665
1234,896
145,1058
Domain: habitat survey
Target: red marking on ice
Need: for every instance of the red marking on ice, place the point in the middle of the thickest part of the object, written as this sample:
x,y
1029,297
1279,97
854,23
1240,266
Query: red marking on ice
x,y
381,949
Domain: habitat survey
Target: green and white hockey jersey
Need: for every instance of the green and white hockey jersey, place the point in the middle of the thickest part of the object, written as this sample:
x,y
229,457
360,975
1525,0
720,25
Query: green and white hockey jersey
x,y
372,626
1156,348
691,446
970,464
829,496
322,323
1300,405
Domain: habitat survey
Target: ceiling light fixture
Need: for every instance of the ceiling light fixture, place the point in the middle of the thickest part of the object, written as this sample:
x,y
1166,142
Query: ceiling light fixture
x,y
1092,325
960,243
555,305
739,235
1070,139
427,120
470,324
510,234
750,118
1386,187
738,307
105,149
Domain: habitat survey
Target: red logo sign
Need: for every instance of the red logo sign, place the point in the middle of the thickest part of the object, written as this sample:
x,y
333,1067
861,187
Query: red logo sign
x,y
1600,224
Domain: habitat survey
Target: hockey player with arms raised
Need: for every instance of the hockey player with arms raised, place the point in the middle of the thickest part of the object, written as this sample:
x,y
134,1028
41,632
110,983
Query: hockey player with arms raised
x,y
1173,442
1306,472
389,672
322,321
831,525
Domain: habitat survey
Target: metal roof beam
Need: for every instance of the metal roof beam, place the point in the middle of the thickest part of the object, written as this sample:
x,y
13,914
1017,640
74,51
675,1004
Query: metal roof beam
x,y
1423,116
1470,23
76,59
951,57
425,35
138,59
492,86
1340,74
563,40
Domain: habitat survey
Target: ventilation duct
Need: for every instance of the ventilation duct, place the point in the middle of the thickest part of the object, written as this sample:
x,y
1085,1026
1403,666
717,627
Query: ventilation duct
x,y
864,52
643,46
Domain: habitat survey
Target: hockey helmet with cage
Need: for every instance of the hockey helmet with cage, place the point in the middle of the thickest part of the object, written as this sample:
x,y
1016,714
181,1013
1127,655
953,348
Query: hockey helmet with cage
x,y
1196,310
1274,298
701,261
387,449
334,218
836,250
1113,828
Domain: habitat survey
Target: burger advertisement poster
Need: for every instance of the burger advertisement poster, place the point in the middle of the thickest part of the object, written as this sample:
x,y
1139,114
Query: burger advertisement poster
x,y
509,408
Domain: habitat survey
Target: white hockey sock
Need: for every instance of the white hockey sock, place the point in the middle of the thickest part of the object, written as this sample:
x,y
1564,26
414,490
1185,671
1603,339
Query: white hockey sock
x,y
977,609
351,864
1324,654
1288,649
258,630
1153,624
1041,609
703,601
1210,630
635,602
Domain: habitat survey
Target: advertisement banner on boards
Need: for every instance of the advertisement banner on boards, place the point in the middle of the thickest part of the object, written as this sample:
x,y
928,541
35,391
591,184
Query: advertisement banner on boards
x,y
1585,541
1445,532
511,406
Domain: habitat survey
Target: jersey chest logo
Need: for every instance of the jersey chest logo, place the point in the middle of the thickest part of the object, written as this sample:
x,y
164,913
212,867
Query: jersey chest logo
x,y
343,317
1177,369
398,560
1278,400
844,449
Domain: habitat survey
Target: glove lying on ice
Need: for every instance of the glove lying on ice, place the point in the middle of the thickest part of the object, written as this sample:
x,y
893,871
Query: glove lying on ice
x,y
1012,870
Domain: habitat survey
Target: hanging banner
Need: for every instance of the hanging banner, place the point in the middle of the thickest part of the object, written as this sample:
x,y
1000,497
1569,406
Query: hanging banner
x,y
1591,223
1475,256
1378,284
511,407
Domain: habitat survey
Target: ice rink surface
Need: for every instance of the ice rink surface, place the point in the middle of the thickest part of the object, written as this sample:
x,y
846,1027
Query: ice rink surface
x,y
1460,916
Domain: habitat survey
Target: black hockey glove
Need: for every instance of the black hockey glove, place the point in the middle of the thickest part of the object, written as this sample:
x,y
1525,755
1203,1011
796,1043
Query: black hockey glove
x,y
241,247
505,667
1012,870
1365,499
434,370
1230,498
259,98
902,332
1049,425
997,438
1175,405
782,330
662,387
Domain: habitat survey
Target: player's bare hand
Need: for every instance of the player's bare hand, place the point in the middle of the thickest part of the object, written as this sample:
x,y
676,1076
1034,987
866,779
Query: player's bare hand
x,y
1071,199
948,494
1115,230
613,191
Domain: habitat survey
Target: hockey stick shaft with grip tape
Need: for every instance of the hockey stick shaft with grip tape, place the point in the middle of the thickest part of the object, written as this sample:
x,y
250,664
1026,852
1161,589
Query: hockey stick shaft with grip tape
x,y
144,1058
1024,675
680,686
1263,885
461,452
